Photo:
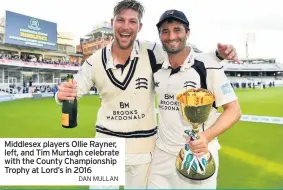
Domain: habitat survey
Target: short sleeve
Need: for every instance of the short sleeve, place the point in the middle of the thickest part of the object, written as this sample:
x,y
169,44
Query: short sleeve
x,y
158,51
216,80
220,86
156,55
159,54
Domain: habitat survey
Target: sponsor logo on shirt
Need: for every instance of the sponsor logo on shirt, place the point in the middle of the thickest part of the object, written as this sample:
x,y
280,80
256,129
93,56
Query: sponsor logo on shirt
x,y
168,103
126,112
156,84
226,88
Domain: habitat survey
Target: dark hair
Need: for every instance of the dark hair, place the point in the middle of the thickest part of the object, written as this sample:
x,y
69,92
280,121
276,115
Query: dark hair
x,y
172,20
129,4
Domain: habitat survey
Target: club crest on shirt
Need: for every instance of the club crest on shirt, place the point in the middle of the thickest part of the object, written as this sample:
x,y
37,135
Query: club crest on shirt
x,y
189,84
141,83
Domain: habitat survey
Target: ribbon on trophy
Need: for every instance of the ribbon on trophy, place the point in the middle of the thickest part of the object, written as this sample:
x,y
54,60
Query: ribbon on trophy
x,y
195,106
192,162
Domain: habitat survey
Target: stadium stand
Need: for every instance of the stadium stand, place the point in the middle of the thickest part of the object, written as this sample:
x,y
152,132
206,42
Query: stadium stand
x,y
33,59
254,73
8,55
29,69
30,64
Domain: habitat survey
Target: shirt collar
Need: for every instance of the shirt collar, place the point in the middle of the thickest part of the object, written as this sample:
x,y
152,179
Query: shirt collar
x,y
110,64
187,63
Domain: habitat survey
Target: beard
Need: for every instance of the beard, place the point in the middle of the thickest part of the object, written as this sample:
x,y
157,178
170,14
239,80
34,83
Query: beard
x,y
176,49
124,46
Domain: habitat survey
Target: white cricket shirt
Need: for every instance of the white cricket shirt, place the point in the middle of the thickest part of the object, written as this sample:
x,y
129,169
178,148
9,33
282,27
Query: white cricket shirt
x,y
127,97
168,83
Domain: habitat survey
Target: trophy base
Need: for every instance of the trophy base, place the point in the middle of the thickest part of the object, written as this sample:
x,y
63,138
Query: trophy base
x,y
210,168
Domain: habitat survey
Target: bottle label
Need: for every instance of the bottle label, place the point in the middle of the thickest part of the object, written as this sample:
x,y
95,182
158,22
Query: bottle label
x,y
65,119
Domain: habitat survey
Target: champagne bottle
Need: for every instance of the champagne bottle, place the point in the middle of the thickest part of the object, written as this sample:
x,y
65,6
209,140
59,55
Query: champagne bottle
x,y
69,110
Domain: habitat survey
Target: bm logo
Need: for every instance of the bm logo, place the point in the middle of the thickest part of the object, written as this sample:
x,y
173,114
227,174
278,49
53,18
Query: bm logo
x,y
34,24
168,96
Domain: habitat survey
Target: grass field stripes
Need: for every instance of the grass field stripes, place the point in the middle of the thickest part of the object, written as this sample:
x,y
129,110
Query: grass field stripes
x,y
254,160
250,154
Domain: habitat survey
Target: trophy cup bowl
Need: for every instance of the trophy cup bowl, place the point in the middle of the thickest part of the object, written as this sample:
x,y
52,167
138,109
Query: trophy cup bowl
x,y
195,105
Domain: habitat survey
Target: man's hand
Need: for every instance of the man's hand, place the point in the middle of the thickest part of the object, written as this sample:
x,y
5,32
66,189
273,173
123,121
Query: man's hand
x,y
67,91
199,147
227,52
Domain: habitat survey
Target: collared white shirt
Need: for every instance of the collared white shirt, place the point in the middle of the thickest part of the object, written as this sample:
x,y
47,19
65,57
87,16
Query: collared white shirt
x,y
86,75
131,159
169,82
110,62
187,63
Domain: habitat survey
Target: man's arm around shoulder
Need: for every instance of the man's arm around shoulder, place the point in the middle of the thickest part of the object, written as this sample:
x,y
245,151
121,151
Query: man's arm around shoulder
x,y
223,52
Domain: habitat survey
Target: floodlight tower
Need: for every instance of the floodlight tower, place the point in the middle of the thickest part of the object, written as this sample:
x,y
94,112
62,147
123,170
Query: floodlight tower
x,y
250,38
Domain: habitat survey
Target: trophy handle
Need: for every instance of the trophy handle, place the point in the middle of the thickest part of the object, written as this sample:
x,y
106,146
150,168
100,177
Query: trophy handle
x,y
195,131
192,134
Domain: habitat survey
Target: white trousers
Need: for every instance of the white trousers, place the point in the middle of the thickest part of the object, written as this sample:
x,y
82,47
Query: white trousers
x,y
163,173
136,177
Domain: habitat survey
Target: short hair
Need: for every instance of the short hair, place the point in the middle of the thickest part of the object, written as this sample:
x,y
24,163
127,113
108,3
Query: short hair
x,y
129,4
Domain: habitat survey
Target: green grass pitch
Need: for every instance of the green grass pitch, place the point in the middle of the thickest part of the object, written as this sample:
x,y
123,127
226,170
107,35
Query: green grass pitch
x,y
251,155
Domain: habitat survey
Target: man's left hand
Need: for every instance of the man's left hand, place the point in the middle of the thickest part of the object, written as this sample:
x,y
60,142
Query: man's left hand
x,y
227,52
199,147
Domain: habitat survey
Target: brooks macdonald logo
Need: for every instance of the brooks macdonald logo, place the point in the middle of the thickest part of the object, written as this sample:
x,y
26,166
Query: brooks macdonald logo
x,y
169,102
126,112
